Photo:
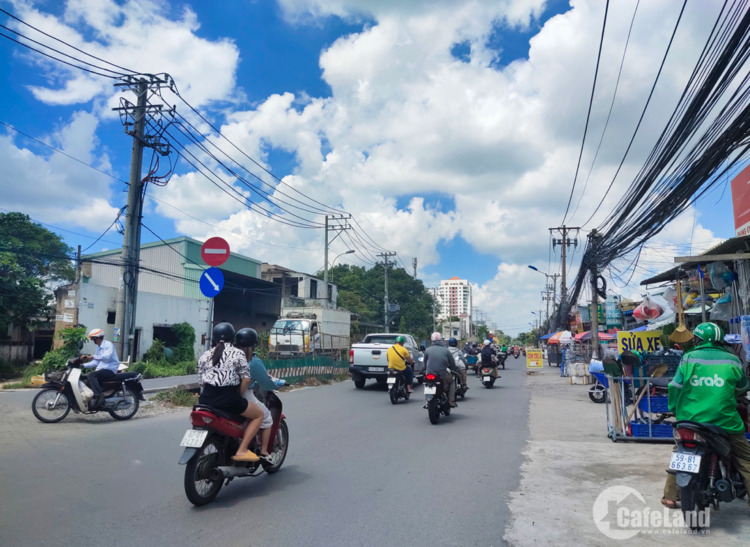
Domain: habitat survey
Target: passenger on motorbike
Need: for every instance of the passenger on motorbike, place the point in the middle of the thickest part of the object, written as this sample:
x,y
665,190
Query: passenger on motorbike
x,y
704,390
459,358
399,359
487,353
246,340
224,377
106,362
438,359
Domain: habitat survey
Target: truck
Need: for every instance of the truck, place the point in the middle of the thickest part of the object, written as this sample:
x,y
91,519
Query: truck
x,y
367,359
290,337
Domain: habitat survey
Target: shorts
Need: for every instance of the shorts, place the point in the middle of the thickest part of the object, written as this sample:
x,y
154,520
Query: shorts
x,y
225,398
267,419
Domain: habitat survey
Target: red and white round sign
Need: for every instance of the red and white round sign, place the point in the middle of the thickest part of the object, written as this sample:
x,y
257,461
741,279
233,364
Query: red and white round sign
x,y
215,251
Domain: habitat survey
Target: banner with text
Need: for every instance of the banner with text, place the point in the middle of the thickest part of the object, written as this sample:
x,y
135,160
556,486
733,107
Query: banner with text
x,y
644,342
534,358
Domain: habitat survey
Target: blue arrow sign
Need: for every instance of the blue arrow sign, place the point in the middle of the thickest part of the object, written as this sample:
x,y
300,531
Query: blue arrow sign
x,y
212,281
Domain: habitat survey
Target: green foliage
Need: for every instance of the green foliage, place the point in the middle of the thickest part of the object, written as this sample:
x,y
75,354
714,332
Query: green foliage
x,y
155,353
10,370
482,332
362,291
526,338
185,342
73,338
176,397
31,259
164,369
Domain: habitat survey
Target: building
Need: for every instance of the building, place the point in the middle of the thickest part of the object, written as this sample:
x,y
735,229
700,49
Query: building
x,y
168,293
454,298
300,289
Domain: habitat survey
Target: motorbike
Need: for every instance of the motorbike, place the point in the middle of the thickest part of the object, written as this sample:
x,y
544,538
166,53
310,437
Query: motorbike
x,y
397,386
63,392
213,440
489,374
704,469
501,359
436,397
461,388
516,353
471,361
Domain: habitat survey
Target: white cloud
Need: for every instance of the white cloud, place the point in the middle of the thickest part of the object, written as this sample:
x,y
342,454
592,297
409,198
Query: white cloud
x,y
407,124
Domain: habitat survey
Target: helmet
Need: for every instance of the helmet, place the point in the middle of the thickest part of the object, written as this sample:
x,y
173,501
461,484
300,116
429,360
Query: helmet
x,y
709,332
95,333
246,338
486,342
453,342
400,339
223,332
436,336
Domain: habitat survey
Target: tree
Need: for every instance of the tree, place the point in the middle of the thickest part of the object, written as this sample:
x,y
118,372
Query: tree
x,y
33,261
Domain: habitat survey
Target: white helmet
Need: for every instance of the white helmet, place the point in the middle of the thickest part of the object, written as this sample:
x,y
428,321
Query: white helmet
x,y
436,336
486,342
95,333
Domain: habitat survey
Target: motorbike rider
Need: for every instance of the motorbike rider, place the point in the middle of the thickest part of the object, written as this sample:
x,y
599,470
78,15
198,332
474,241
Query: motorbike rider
x,y
438,360
399,359
224,377
487,354
459,358
246,340
710,402
106,362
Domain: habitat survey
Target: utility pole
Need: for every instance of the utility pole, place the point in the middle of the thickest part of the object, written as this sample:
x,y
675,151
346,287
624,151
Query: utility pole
x,y
386,305
414,263
337,228
134,119
594,236
564,242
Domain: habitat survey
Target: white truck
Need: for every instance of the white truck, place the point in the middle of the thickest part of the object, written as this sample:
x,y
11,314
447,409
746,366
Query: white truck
x,y
294,333
368,358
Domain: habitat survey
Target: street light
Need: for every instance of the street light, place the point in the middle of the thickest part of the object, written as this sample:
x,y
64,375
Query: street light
x,y
554,289
350,251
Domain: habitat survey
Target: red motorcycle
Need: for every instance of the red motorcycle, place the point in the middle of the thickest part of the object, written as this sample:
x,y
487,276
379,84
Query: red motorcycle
x,y
212,441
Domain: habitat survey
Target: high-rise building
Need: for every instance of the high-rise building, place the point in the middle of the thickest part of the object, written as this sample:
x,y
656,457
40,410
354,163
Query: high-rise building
x,y
454,297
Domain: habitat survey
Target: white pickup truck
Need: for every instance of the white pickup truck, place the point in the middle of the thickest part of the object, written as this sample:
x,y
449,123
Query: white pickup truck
x,y
368,358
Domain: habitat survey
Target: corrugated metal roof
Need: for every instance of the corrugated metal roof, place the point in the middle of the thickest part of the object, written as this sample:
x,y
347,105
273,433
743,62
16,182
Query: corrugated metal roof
x,y
733,245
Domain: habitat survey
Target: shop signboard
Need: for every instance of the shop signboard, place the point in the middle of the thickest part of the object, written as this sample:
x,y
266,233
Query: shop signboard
x,y
614,317
534,358
741,202
644,341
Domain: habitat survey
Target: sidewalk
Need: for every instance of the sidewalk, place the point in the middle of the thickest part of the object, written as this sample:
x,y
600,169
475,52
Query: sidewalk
x,y
570,461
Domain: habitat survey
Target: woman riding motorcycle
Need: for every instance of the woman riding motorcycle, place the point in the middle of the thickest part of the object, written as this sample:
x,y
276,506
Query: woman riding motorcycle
x,y
224,378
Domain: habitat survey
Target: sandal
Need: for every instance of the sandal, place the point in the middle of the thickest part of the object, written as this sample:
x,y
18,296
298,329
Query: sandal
x,y
268,458
247,457
670,504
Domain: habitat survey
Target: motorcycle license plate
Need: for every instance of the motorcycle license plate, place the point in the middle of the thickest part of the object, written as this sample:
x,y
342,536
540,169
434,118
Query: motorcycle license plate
x,y
430,390
194,438
689,463
391,381
485,378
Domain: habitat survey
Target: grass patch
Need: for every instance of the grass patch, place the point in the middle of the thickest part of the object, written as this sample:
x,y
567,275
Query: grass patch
x,y
17,385
176,397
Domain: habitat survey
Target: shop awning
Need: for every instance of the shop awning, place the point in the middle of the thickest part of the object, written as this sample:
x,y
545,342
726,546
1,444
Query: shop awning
x,y
546,336
562,337
585,336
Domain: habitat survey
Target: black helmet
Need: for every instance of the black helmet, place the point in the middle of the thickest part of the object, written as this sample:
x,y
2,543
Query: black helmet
x,y
223,332
453,342
246,338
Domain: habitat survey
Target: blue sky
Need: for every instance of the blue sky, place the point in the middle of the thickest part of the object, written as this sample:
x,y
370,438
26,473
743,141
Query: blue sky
x,y
449,130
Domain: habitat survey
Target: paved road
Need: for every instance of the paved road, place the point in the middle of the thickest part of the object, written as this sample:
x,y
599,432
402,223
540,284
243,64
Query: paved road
x,y
360,471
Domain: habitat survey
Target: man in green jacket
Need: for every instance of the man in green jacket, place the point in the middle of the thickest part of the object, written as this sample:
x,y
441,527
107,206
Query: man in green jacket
x,y
704,390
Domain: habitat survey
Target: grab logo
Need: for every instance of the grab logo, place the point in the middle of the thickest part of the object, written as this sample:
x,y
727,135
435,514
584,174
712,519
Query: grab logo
x,y
707,381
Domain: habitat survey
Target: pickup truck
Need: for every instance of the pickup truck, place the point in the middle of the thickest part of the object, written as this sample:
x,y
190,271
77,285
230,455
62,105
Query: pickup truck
x,y
368,358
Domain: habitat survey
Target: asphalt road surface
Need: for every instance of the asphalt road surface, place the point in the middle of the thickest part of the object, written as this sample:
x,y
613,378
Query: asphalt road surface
x,y
359,471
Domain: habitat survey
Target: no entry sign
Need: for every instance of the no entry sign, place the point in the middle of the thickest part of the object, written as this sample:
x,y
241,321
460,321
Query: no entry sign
x,y
215,251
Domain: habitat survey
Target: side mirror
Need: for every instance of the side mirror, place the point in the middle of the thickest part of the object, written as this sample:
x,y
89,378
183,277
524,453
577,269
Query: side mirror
x,y
80,345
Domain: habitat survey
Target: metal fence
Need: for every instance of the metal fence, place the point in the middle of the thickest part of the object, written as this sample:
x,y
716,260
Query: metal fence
x,y
322,367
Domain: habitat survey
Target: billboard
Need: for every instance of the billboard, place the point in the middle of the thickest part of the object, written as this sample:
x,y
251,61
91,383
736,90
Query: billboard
x,y
741,202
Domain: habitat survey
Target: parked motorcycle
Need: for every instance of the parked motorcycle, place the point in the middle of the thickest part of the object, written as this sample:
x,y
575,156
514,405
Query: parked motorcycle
x,y
489,374
214,439
63,392
436,396
397,386
705,469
